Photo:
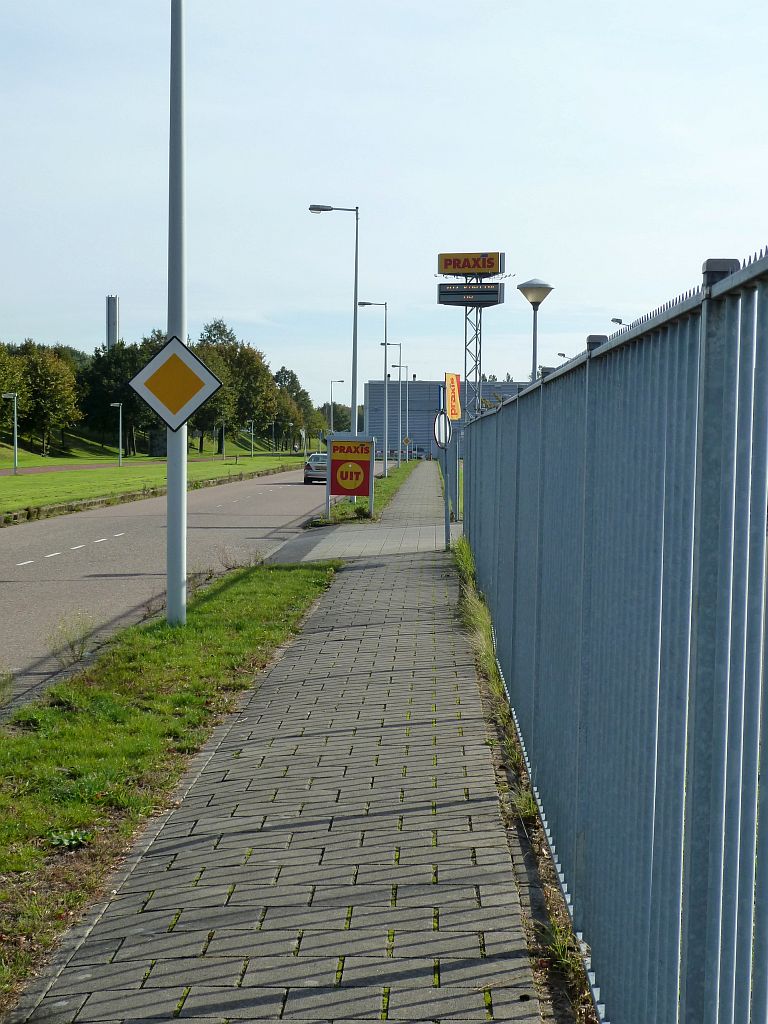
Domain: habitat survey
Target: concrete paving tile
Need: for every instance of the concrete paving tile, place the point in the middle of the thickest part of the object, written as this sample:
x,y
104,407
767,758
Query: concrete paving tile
x,y
227,942
238,1003
412,1003
333,1002
210,971
291,971
112,1004
57,1009
89,978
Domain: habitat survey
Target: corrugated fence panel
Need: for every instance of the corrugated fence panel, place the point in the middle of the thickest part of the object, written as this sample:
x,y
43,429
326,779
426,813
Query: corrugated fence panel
x,y
617,514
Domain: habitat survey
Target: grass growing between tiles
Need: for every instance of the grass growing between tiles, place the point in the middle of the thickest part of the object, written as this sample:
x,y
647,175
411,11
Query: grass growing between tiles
x,y
83,767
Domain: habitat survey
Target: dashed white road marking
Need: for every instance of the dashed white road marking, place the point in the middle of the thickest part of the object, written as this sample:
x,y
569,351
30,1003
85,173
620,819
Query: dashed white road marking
x,y
118,534
53,554
28,562
77,547
100,540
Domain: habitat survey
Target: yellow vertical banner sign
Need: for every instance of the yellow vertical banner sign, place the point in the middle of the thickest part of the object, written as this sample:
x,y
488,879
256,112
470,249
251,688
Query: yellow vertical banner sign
x,y
453,396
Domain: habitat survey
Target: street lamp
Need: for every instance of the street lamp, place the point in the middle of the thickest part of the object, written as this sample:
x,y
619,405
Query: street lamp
x,y
317,208
407,432
535,291
386,389
247,422
15,397
399,346
332,383
119,407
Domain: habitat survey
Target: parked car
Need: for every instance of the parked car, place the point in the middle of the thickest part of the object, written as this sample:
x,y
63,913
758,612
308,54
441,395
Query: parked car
x,y
316,468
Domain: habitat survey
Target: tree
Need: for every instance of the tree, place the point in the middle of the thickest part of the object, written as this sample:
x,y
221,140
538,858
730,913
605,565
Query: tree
x,y
342,419
52,395
107,380
249,380
221,407
287,419
11,380
287,381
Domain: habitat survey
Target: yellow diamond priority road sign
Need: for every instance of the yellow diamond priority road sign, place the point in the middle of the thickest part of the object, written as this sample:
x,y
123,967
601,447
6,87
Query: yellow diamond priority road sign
x,y
175,383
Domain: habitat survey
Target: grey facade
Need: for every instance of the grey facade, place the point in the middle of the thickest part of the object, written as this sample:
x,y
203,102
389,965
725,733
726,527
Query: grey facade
x,y
423,402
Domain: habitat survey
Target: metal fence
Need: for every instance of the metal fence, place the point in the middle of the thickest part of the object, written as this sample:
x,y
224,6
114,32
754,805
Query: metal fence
x,y
617,514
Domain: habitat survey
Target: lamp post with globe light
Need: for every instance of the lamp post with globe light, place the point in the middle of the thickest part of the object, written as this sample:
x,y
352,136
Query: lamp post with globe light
x,y
535,291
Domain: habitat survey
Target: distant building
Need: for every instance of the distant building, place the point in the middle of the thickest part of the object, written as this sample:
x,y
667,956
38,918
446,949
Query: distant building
x,y
423,402
113,321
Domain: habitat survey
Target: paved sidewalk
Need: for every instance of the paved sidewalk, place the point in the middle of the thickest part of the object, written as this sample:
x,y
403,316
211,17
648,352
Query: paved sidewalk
x,y
338,854
412,522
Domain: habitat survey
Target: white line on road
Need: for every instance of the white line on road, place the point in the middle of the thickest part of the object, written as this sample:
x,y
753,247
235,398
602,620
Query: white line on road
x,y
118,534
29,562
77,547
100,540
53,554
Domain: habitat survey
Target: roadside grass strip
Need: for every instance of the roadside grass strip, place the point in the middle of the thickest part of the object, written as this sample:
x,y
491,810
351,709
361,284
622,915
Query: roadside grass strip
x,y
555,952
36,491
385,488
84,766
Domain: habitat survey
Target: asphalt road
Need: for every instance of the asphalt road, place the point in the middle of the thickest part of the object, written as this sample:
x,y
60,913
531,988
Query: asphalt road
x,y
108,565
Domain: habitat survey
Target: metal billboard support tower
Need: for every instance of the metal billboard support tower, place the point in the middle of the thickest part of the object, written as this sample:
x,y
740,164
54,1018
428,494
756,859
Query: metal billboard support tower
x,y
478,289
473,327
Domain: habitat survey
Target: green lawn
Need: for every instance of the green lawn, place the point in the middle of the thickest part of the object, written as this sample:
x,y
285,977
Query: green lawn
x,y
82,448
83,767
40,489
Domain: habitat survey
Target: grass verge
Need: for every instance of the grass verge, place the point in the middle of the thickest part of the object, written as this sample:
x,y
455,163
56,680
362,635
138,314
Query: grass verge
x,y
82,768
559,968
35,491
385,488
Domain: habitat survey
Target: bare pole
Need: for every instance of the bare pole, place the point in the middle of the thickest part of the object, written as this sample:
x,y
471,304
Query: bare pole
x,y
176,539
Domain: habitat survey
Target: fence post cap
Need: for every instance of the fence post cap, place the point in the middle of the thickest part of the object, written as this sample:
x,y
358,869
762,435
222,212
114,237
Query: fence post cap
x,y
715,270
595,341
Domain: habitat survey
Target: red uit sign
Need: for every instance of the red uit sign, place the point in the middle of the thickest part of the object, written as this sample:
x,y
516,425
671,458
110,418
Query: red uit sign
x,y
350,474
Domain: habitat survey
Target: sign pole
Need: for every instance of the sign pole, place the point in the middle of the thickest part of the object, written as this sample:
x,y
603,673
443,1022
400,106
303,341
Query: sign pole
x,y
371,476
446,485
329,447
176,515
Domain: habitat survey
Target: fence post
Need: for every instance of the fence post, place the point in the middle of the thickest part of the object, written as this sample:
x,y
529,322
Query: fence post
x,y
709,657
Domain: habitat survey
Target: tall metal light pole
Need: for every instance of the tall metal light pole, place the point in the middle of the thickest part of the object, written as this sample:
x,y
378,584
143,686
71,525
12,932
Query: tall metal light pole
x,y
332,383
316,208
176,533
14,395
247,422
535,291
399,346
119,407
407,434
386,389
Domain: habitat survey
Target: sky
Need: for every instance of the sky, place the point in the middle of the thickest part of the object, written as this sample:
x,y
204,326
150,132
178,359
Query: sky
x,y
607,148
